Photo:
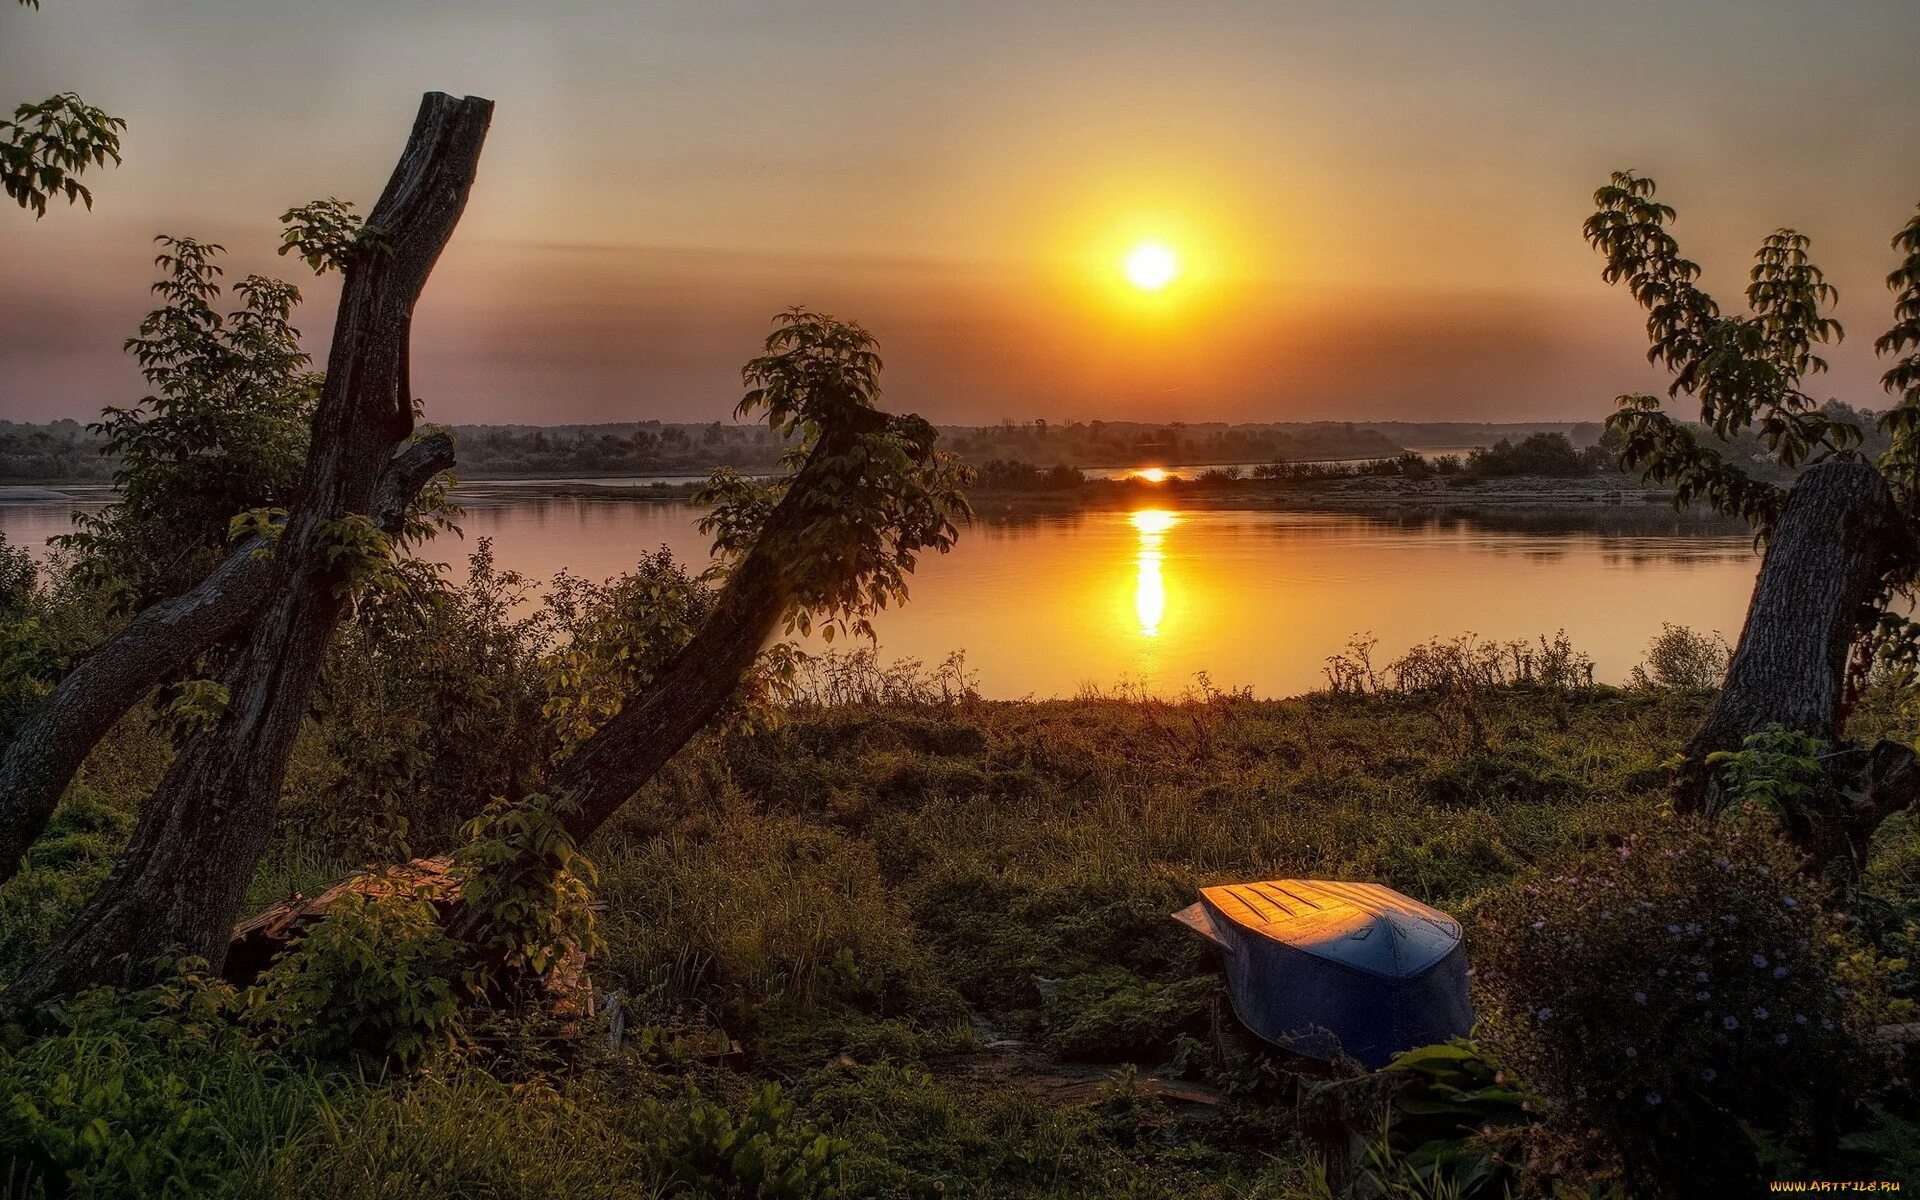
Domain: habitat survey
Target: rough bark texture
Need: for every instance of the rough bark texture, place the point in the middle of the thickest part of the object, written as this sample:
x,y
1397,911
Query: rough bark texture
x,y
690,690
1835,538
155,646
180,881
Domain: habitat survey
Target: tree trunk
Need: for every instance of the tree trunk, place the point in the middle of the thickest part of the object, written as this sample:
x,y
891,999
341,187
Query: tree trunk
x,y
157,645
606,770
1837,535
180,881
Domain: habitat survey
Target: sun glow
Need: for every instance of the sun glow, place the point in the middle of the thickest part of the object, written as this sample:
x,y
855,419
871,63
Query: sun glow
x,y
1151,266
1151,475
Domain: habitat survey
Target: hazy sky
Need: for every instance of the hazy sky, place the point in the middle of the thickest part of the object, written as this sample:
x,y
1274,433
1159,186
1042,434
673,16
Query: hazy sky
x,y
1378,205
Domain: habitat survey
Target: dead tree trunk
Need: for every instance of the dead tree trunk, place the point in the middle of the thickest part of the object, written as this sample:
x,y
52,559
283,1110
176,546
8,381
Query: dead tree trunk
x,y
155,646
1838,534
180,881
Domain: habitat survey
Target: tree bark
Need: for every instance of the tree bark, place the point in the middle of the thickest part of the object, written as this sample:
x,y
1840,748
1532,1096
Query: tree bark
x,y
606,770
175,889
158,644
1837,535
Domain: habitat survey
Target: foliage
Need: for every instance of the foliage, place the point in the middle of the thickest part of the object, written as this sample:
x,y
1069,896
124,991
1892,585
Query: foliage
x,y
155,1093
856,676
46,147
1444,1121
1677,991
1460,664
372,979
1747,372
1679,657
224,430
32,654
430,702
865,493
69,859
528,886
1548,454
326,234
611,638
1776,770
764,1155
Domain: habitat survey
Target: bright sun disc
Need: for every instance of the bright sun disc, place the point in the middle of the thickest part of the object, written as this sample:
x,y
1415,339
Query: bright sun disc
x,y
1151,266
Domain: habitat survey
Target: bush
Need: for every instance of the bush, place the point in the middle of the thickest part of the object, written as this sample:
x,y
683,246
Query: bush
x,y
1678,992
156,1093
765,1155
373,979
1678,657
1549,454
529,886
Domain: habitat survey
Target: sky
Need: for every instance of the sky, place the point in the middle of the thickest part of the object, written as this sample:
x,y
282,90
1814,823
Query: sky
x,y
1376,206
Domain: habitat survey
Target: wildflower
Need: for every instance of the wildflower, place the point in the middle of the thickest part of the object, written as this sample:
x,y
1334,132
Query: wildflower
x,y
1826,1022
1653,1099
1639,997
1693,927
1545,1013
1760,1012
1779,972
1703,996
1709,1074
1673,929
1700,975
1723,863
1779,1039
1662,972
1540,924
1792,903
1760,960
1632,1053
1730,1022
1605,915
1799,1018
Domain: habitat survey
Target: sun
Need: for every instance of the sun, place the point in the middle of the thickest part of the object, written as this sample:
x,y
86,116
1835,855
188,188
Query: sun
x,y
1151,266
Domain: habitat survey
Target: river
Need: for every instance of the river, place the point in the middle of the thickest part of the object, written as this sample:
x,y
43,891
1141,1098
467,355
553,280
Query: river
x,y
1053,605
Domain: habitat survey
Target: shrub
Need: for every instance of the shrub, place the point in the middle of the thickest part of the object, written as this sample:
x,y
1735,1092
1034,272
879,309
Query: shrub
x,y
374,978
1678,657
765,1155
1537,454
529,886
155,1093
1677,991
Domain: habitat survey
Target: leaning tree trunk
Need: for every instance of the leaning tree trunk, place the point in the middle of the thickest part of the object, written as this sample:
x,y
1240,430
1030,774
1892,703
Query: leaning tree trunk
x,y
155,646
605,771
1838,534
177,886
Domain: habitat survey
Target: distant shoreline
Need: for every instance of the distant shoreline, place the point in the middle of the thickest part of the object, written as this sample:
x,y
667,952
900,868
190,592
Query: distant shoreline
x,y
1354,494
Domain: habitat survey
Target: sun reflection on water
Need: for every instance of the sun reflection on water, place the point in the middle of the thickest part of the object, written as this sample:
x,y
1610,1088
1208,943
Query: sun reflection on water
x,y
1149,586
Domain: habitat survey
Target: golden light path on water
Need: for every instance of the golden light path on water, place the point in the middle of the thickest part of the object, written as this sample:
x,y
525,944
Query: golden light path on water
x,y
1150,584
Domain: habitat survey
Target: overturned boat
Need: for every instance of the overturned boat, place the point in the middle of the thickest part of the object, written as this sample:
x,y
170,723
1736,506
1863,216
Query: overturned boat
x,y
1325,968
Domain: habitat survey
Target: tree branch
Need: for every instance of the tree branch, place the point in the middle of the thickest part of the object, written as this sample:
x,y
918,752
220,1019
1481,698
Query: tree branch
x,y
155,646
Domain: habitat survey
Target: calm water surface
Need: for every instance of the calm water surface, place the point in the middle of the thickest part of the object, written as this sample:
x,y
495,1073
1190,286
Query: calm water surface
x,y
1048,605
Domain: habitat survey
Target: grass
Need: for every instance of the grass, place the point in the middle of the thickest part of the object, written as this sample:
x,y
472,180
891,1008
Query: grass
x,y
862,894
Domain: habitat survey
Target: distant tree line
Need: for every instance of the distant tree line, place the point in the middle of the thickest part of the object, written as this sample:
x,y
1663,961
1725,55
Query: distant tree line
x,y
1033,456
